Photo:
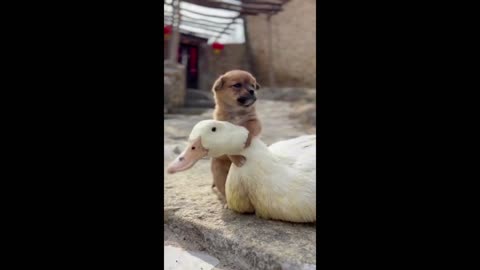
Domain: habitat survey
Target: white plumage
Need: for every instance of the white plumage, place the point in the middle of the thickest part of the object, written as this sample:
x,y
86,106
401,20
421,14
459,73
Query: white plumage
x,y
276,182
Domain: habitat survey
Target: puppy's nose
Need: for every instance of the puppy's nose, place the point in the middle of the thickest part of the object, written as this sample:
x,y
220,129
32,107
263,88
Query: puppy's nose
x,y
242,99
251,92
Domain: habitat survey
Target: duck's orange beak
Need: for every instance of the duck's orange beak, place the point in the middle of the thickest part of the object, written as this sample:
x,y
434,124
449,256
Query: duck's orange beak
x,y
188,157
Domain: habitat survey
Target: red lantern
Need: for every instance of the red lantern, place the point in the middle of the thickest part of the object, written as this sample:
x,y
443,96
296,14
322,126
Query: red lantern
x,y
217,47
167,31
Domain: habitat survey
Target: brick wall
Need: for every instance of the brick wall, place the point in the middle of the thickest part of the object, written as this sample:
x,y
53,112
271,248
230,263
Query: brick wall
x,y
211,65
293,38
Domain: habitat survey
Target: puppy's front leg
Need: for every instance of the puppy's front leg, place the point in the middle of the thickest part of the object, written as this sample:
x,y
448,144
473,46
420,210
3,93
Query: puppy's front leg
x,y
254,128
220,169
238,160
249,140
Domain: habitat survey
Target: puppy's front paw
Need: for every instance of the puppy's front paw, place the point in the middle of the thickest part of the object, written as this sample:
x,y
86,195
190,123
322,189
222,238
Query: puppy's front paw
x,y
238,160
248,142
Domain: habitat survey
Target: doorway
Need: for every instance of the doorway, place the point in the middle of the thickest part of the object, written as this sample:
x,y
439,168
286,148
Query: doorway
x,y
188,56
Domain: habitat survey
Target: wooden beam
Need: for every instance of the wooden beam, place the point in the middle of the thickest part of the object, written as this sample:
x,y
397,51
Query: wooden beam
x,y
202,35
195,33
248,8
217,30
262,2
187,19
193,38
260,6
210,4
231,7
208,15
235,7
206,20
205,29
223,32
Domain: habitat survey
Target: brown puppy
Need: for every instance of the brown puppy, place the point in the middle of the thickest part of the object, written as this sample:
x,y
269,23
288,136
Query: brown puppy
x,y
235,98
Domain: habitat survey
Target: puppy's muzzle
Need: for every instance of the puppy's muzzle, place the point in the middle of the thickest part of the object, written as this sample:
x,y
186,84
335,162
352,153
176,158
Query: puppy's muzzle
x,y
247,100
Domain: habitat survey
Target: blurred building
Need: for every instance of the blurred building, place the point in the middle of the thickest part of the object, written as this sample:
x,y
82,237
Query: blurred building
x,y
287,31
294,44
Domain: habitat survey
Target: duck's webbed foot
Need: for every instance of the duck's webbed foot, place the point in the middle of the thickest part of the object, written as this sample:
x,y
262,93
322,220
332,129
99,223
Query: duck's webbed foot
x,y
238,160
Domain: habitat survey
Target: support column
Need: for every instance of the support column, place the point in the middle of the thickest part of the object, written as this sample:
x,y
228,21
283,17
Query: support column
x,y
271,75
248,48
175,40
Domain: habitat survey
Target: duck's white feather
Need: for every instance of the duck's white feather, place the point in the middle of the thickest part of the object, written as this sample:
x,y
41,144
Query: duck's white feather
x,y
302,149
293,146
278,182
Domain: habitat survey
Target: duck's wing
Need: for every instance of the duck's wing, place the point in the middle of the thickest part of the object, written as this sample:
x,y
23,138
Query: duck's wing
x,y
295,147
299,152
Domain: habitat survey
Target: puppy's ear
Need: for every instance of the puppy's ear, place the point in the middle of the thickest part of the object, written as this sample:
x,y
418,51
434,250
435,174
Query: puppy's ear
x,y
218,84
257,85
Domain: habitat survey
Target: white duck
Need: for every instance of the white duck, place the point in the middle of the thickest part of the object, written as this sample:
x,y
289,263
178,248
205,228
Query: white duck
x,y
276,182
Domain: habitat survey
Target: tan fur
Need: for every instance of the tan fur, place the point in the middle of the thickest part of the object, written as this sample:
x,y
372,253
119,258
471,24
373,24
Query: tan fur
x,y
227,108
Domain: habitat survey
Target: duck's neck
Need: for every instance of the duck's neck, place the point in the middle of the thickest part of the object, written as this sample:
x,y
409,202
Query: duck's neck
x,y
262,168
257,147
259,156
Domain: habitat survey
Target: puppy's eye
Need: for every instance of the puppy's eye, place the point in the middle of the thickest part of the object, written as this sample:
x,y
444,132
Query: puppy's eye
x,y
214,129
237,85
193,147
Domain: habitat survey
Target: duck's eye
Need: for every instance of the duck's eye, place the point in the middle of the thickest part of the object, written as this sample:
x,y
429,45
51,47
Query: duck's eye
x,y
237,85
193,147
214,129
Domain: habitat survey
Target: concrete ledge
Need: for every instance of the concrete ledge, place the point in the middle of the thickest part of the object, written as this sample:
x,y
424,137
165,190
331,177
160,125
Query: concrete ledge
x,y
174,85
194,212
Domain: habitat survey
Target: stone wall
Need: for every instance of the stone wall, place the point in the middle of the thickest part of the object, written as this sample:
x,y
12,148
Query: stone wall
x,y
174,85
293,39
212,65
